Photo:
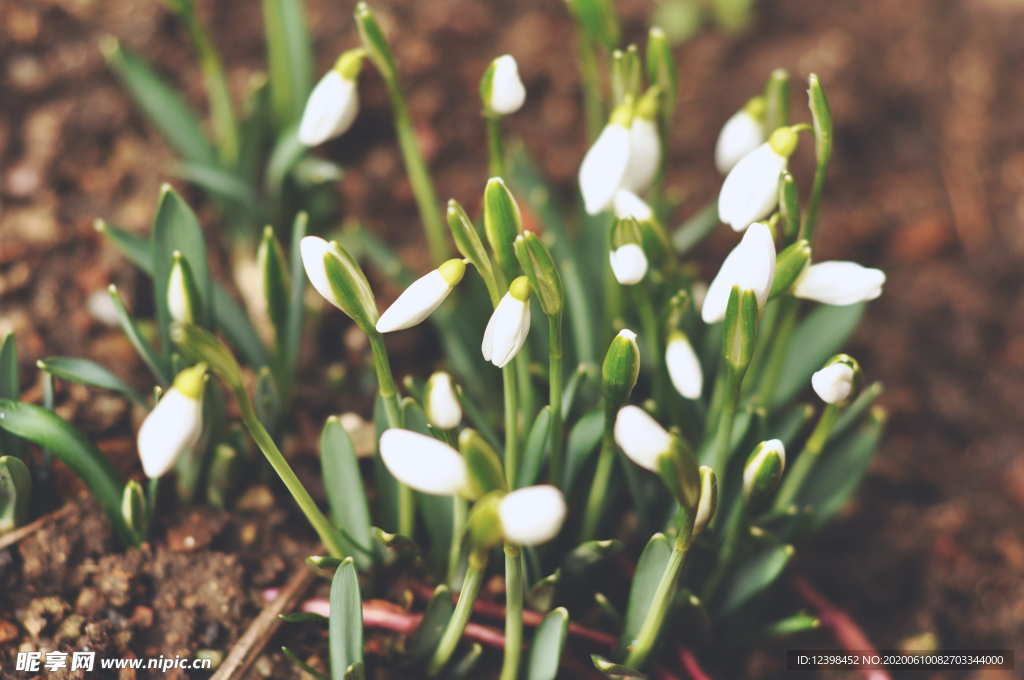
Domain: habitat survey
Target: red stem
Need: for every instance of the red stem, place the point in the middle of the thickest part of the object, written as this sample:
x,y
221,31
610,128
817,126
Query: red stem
x,y
689,662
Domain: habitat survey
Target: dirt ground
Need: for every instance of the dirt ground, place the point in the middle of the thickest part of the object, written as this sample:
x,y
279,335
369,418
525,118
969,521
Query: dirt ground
x,y
927,182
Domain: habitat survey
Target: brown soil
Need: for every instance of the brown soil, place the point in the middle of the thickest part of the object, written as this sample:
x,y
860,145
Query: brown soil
x,y
926,183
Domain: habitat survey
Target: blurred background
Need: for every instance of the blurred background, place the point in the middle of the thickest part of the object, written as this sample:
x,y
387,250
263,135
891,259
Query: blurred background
x,y
926,182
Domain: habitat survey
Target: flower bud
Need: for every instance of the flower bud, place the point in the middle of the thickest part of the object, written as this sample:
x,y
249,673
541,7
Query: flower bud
x,y
484,525
338,278
835,381
789,265
537,263
620,369
740,328
483,465
509,325
422,297
441,403
629,264
677,467
644,146
175,423
762,473
15,493
182,296
640,437
708,503
740,135
532,515
683,366
274,280
135,510
750,265
334,102
751,189
502,223
469,244
604,166
839,283
501,88
423,463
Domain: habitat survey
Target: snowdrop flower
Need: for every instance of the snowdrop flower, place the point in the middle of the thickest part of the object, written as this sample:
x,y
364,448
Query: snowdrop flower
x,y
839,282
604,166
422,297
740,135
627,204
640,437
351,291
502,89
644,154
174,425
629,264
509,324
334,102
683,366
763,470
423,463
532,515
441,403
751,189
707,502
834,383
750,265
181,301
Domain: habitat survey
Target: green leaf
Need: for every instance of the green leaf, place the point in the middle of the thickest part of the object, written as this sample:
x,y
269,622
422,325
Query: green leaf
x,y
286,153
548,643
164,106
58,436
386,486
535,452
791,625
89,373
696,228
237,327
649,569
435,619
15,493
465,667
296,303
10,388
587,554
293,657
304,617
156,364
224,184
818,337
584,438
615,671
290,57
136,248
852,413
753,576
346,496
345,636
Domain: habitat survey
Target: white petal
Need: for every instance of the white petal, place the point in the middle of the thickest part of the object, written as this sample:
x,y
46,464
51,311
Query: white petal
x,y
177,297
644,155
603,168
507,90
330,110
628,204
532,515
171,428
416,303
750,265
839,282
442,405
740,135
506,330
684,367
640,436
764,449
422,462
751,189
629,264
833,383
313,250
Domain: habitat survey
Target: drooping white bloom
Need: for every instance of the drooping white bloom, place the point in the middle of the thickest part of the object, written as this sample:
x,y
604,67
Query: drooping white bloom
x,y
627,204
423,463
507,90
422,297
751,189
532,515
740,135
629,264
839,282
640,436
174,425
833,383
509,325
330,110
441,403
603,168
683,366
750,265
644,155
313,250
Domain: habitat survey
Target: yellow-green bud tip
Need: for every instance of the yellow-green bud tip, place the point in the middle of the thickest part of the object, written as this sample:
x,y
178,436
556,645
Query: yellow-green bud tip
x,y
756,107
190,381
453,270
520,289
784,140
350,63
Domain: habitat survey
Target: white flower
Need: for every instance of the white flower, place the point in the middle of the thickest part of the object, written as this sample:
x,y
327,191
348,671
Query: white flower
x,y
839,282
174,425
422,297
627,204
644,155
833,383
179,302
603,168
509,324
330,110
740,135
640,436
532,515
313,250
750,265
684,366
507,90
754,465
751,189
629,264
423,463
441,403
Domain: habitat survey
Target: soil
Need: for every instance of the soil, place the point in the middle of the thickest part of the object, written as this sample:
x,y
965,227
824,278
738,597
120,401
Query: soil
x,y
926,182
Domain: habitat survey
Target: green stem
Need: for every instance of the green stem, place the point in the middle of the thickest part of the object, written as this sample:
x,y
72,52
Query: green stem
x,y
527,396
783,326
153,493
591,77
495,147
555,380
458,528
651,332
661,602
722,441
508,379
514,591
730,539
389,395
808,457
599,488
460,617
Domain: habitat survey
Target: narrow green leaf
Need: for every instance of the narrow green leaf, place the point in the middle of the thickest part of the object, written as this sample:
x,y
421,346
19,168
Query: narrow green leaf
x,y
10,388
385,484
346,496
296,303
237,327
89,373
286,153
753,576
649,569
223,184
852,413
290,56
15,493
587,554
136,248
696,228
293,657
304,617
548,643
428,634
584,438
345,635
535,452
156,364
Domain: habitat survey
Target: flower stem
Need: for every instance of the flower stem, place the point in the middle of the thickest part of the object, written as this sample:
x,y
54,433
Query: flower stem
x,y
392,408
721,443
508,379
599,488
514,591
730,539
495,147
458,528
785,323
654,348
460,617
792,482
555,380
